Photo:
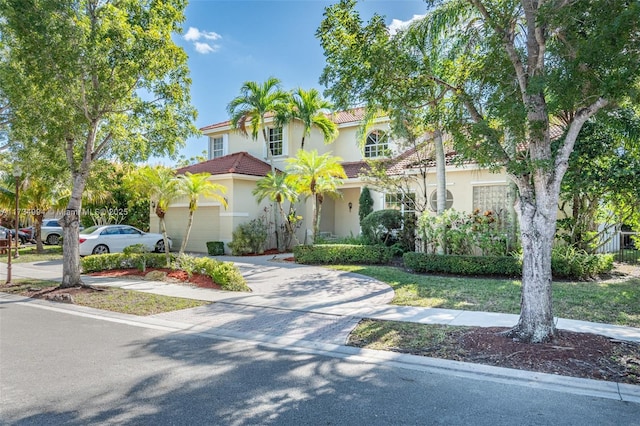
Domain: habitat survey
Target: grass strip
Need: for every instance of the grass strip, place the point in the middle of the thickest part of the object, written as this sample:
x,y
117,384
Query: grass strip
x,y
111,298
616,302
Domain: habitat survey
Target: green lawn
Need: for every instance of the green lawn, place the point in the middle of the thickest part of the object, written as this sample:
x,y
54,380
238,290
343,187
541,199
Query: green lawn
x,y
608,302
28,254
114,299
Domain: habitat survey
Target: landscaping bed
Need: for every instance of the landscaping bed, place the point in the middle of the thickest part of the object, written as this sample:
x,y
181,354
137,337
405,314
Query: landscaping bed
x,y
162,274
582,355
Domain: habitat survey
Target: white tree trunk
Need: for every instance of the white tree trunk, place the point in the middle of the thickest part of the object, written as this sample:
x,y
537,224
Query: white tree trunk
x,y
71,233
537,209
441,183
537,232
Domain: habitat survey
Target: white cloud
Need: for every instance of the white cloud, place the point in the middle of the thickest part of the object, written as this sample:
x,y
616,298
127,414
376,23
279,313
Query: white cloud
x,y
398,25
205,48
193,34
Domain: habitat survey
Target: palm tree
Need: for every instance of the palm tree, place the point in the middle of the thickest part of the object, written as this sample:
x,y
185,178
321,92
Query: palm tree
x,y
161,186
39,196
309,107
316,176
255,102
195,186
277,189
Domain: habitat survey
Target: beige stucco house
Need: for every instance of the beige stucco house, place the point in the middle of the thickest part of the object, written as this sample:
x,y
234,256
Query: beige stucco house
x,y
237,162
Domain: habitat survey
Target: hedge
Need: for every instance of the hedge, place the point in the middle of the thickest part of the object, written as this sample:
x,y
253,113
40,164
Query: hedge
x,y
225,274
342,253
565,263
106,262
463,265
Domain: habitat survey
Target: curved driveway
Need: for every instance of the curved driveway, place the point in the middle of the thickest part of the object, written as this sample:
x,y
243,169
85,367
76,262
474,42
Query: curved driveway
x,y
287,299
302,285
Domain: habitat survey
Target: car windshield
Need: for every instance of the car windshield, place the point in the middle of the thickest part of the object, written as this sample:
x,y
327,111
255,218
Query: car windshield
x,y
89,230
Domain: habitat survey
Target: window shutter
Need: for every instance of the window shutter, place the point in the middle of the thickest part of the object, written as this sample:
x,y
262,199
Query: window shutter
x,y
225,144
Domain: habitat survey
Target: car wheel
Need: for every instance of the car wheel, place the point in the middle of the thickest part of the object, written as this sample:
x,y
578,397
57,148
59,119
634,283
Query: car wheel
x,y
160,246
100,249
53,239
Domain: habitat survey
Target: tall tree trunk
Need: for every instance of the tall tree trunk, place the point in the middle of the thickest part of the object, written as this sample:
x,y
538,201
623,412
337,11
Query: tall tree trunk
x,y
441,184
71,230
273,172
163,230
183,246
537,231
37,232
537,208
314,220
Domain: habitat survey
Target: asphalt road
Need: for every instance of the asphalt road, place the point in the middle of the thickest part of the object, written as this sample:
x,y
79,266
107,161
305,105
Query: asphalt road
x,y
59,368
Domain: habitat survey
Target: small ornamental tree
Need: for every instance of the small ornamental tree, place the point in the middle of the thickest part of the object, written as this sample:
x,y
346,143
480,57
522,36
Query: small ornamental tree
x,y
365,204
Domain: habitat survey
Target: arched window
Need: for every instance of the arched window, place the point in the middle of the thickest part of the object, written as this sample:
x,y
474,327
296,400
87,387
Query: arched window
x,y
433,200
376,144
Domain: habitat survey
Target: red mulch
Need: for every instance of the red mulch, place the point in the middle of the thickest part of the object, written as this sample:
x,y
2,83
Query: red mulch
x,y
573,354
198,280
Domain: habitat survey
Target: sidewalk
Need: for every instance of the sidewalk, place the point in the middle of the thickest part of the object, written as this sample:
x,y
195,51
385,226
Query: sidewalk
x,y
304,302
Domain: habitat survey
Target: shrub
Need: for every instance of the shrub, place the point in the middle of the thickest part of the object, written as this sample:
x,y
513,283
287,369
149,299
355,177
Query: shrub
x,y
215,248
382,227
352,240
225,274
249,237
570,262
105,262
463,265
458,233
342,253
138,249
566,262
365,204
135,248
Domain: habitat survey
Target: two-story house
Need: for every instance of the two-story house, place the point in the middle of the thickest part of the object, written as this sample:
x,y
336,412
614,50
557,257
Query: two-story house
x,y
237,162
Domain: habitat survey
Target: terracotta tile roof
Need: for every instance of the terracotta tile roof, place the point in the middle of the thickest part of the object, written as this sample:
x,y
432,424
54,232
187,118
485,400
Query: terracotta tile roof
x,y
241,163
413,158
350,116
355,168
340,117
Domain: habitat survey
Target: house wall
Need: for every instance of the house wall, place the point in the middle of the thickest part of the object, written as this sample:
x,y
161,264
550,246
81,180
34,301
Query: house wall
x,y
346,145
347,222
205,227
336,218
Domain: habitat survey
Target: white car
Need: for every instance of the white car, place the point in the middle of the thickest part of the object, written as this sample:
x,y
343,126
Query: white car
x,y
114,238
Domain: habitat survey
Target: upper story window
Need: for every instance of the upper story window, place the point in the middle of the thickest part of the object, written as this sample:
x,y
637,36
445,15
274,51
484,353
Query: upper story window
x,y
376,145
276,141
218,146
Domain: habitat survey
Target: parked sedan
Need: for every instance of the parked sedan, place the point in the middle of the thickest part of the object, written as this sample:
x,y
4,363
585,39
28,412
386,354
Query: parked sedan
x,y
114,238
51,231
24,238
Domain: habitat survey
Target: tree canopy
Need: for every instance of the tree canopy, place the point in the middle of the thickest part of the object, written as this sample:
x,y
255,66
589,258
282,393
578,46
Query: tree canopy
x,y
90,79
511,72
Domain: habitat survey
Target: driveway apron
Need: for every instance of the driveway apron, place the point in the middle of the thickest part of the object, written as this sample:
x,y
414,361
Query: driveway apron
x,y
290,300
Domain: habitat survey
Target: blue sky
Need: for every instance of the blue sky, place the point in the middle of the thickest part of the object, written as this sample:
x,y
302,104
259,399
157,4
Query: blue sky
x,y
233,41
